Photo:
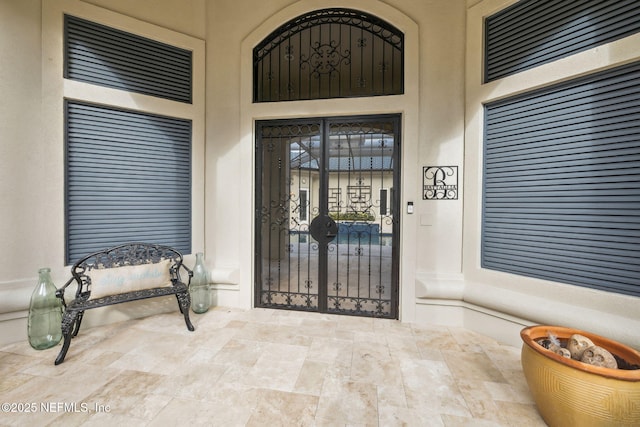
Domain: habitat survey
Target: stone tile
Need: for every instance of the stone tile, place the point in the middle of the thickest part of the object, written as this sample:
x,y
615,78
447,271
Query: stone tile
x,y
330,350
471,365
237,324
276,408
479,399
518,383
355,324
374,365
131,393
311,378
9,383
39,418
239,352
505,393
11,363
76,386
121,342
435,339
192,382
24,349
318,328
520,414
348,402
429,353
393,327
504,357
232,396
370,338
172,323
102,419
400,416
401,346
456,421
470,341
391,396
258,315
187,412
217,317
273,374
101,358
431,389
273,333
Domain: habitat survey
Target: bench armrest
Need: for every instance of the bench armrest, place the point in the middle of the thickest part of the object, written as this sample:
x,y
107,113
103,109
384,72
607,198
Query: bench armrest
x,y
189,272
60,292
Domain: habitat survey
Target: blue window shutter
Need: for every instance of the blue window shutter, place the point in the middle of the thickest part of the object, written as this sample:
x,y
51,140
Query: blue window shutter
x,y
534,32
105,56
562,183
128,178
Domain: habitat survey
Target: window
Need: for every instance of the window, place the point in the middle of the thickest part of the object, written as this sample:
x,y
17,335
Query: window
x,y
105,56
384,202
562,183
128,173
532,32
304,204
335,199
128,179
329,53
358,197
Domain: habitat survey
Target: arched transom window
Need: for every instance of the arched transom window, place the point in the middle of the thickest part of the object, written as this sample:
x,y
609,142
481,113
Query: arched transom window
x,y
329,53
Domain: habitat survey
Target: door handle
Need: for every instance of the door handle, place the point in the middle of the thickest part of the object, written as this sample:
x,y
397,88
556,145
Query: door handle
x,y
323,229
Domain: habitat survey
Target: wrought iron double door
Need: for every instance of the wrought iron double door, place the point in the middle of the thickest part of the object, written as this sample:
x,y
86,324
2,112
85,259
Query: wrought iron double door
x,y
327,220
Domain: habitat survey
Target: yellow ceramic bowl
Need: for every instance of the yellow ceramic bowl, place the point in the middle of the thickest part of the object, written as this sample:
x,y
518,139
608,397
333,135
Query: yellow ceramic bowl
x,y
572,393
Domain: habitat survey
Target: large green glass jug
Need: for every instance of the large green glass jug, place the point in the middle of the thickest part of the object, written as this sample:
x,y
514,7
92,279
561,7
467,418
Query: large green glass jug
x,y
199,287
45,313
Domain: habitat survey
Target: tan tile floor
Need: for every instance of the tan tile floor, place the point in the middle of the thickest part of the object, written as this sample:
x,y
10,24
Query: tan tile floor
x,y
267,368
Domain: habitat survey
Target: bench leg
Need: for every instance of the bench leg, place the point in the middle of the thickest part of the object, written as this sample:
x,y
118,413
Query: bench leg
x,y
77,323
69,320
184,302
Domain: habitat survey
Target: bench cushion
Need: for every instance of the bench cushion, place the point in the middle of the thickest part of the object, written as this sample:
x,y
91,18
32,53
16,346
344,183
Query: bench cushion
x,y
118,280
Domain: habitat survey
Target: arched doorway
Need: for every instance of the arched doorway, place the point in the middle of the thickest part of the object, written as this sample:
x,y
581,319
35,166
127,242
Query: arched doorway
x,y
326,223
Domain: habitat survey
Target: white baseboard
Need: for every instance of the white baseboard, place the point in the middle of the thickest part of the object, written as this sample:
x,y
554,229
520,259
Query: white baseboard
x,y
455,313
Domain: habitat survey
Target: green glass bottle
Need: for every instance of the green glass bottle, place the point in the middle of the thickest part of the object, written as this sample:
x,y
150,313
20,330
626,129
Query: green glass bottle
x,y
45,313
199,287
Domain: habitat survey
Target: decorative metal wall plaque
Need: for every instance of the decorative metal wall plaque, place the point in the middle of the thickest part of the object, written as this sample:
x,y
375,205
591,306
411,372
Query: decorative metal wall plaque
x,y
440,183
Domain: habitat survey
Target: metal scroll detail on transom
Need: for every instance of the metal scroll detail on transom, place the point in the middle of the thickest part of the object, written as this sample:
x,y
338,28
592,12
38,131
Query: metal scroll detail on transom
x,y
325,59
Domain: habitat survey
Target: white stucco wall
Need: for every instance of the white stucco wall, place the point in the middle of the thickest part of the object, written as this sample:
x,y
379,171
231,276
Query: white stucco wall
x,y
24,161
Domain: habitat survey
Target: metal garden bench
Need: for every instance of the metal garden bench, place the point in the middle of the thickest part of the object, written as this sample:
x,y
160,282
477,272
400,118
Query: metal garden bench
x,y
120,274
